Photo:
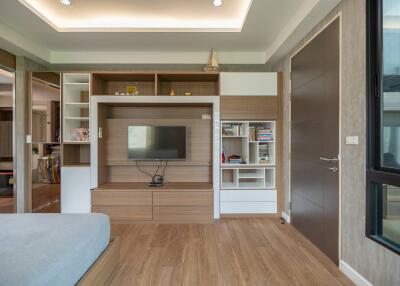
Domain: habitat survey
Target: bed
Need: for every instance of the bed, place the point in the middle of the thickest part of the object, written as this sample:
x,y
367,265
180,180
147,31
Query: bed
x,y
56,249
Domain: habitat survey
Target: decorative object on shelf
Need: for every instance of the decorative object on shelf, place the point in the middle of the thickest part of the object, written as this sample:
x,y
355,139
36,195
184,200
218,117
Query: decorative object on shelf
x,y
172,92
132,90
188,93
223,156
212,65
116,93
80,134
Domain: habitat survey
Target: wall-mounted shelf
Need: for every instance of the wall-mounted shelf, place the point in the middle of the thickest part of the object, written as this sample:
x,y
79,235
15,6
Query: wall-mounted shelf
x,y
112,83
195,83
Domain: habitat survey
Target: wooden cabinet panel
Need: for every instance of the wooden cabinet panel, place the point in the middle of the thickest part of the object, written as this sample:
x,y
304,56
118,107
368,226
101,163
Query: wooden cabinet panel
x,y
249,107
126,213
118,198
6,139
183,198
188,214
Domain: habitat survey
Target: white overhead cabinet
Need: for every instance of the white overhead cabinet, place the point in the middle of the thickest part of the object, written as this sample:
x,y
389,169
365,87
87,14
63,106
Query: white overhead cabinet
x,y
248,84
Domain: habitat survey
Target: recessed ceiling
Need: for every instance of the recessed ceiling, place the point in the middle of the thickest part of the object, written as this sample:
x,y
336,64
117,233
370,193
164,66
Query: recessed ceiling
x,y
141,15
270,29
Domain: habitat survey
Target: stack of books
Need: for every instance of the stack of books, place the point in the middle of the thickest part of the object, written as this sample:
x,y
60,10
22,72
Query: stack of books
x,y
264,135
235,159
263,154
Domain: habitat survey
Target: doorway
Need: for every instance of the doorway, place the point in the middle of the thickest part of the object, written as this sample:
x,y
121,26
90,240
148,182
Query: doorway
x,y
7,194
315,95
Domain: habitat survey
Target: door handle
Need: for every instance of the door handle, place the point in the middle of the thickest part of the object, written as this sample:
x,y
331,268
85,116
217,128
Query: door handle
x,y
333,160
333,169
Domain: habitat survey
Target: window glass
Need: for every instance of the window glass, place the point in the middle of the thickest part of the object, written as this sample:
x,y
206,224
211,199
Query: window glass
x,y
391,213
390,107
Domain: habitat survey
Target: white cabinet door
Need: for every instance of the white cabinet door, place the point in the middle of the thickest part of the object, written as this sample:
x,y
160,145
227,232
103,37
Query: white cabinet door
x,y
75,190
249,83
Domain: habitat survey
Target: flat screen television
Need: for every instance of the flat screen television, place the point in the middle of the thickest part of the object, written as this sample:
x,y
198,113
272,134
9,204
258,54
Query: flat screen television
x,y
156,142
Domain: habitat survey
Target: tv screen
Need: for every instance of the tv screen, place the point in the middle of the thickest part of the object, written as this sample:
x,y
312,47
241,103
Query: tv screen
x,y
156,142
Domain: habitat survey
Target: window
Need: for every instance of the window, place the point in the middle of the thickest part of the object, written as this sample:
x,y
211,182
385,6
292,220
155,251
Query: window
x,y
383,164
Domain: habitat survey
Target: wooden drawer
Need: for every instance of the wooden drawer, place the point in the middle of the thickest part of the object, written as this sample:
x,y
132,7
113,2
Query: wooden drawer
x,y
121,198
182,198
248,196
126,214
165,214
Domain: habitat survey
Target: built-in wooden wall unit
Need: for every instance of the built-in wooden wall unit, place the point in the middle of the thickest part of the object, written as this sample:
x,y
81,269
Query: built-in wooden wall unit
x,y
121,189
194,191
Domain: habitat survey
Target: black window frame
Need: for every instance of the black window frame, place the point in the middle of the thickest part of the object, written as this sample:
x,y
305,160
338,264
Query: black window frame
x,y
376,175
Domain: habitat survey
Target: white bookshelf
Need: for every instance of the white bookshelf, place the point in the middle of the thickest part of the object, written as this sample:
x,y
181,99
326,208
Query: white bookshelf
x,y
248,186
76,104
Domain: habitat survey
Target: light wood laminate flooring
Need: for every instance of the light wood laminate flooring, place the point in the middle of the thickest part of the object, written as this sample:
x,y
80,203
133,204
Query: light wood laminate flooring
x,y
248,251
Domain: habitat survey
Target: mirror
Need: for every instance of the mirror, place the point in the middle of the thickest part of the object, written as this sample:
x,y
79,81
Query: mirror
x,y
46,97
46,148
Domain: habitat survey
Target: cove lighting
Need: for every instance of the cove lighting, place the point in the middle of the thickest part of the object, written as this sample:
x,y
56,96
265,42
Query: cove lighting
x,y
142,15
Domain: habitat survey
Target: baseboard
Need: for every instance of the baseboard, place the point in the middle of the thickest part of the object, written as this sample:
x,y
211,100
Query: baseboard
x,y
286,217
353,275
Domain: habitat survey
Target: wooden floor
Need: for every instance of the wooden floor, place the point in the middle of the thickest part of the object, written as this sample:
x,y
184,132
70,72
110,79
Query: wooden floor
x,y
230,252
6,205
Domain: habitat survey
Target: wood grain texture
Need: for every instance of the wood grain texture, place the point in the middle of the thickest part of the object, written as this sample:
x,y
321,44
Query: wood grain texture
x,y
249,108
115,198
140,187
127,214
100,272
230,252
183,198
177,173
7,60
183,214
279,146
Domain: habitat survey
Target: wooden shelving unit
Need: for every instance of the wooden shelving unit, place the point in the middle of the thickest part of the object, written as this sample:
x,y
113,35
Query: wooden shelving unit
x,y
197,83
76,106
112,83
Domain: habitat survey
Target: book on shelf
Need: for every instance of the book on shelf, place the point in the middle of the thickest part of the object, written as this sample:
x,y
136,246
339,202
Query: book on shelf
x,y
233,129
265,134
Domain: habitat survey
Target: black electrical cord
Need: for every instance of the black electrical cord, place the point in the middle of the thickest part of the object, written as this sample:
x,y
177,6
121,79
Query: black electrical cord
x,y
144,172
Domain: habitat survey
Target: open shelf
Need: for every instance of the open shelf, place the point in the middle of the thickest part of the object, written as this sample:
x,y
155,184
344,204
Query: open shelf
x,y
254,142
195,83
118,83
75,154
76,107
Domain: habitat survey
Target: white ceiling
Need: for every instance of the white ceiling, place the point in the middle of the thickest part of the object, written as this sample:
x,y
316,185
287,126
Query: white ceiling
x,y
267,28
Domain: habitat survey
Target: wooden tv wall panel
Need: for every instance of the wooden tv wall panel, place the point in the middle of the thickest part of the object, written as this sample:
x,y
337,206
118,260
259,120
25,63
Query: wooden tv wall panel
x,y
196,168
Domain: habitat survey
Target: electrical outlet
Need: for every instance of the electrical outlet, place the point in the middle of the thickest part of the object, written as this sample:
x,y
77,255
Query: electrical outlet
x,y
352,140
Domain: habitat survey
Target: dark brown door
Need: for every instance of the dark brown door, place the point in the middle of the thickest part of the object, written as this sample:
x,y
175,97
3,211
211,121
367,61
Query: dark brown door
x,y
315,140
